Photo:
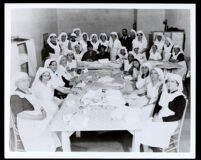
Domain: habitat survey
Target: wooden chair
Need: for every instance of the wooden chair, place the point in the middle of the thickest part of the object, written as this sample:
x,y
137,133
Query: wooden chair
x,y
17,140
176,136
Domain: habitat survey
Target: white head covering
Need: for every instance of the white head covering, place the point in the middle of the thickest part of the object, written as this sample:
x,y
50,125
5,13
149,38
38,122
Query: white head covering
x,y
48,61
19,76
168,97
73,34
85,33
160,73
77,29
144,40
124,48
59,59
62,34
77,44
92,35
51,35
174,56
40,71
132,30
102,34
159,34
147,64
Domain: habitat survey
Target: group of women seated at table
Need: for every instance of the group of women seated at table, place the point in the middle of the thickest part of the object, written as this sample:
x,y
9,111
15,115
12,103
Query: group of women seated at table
x,y
159,96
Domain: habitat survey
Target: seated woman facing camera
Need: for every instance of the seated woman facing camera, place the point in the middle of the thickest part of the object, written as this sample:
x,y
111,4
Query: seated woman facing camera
x,y
153,89
54,48
78,52
32,118
178,57
154,53
168,111
68,78
59,90
122,55
127,65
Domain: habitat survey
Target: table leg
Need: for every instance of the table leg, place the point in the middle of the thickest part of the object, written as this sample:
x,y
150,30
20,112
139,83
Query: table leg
x,y
77,134
135,144
65,138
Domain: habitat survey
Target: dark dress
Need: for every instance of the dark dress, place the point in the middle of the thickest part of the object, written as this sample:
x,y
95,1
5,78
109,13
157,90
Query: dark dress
x,y
103,56
19,104
126,42
90,55
177,106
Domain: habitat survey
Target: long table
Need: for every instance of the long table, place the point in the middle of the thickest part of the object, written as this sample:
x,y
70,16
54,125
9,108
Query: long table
x,y
98,117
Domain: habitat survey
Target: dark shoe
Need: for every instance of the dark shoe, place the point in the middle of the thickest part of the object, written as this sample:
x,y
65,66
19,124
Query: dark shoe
x,y
59,149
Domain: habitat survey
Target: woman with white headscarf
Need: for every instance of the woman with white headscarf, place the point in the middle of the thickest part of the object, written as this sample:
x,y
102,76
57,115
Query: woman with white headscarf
x,y
78,52
53,46
103,40
62,69
140,42
78,33
154,53
32,118
133,34
63,42
59,90
114,45
122,55
72,42
140,56
94,41
178,57
159,40
169,109
167,49
83,41
143,79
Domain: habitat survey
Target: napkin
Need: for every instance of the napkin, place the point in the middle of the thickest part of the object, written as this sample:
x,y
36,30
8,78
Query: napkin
x,y
103,61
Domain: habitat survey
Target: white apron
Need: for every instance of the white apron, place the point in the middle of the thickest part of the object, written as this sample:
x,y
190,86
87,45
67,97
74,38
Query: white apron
x,y
34,133
115,47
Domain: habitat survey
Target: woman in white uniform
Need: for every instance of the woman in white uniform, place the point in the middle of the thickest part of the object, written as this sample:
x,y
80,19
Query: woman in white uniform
x,y
167,49
59,90
33,118
159,41
78,34
178,57
63,42
143,78
94,41
78,52
168,111
83,41
154,53
140,42
136,69
103,40
122,55
140,56
72,41
53,46
114,45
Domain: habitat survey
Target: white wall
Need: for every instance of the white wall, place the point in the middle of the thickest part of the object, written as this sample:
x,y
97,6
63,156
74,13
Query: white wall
x,y
94,20
149,20
180,19
33,23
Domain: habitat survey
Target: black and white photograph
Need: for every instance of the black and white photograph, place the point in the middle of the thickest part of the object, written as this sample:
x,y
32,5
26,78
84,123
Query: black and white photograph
x,y
99,80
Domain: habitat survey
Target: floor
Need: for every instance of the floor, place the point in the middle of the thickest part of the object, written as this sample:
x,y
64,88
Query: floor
x,y
120,141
